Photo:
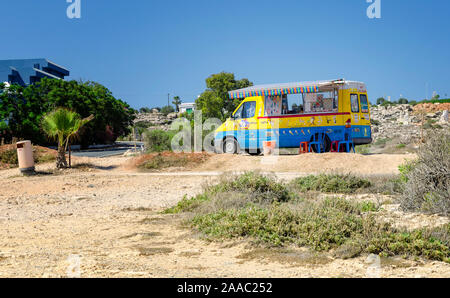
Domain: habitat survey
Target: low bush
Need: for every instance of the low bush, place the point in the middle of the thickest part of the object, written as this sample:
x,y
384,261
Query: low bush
x,y
9,157
187,204
260,188
163,160
363,149
381,142
427,180
237,192
331,183
228,210
158,140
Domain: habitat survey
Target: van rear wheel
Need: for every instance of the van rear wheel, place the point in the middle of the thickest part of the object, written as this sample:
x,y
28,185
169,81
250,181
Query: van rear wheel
x,y
230,146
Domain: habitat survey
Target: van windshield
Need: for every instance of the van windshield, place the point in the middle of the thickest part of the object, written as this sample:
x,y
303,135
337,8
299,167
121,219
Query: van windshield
x,y
247,110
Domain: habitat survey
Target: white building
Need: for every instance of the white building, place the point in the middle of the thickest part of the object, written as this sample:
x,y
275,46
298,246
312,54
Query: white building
x,y
188,107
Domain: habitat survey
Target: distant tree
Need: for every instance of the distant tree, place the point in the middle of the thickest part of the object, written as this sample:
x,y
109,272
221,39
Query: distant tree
x,y
436,97
144,110
211,105
167,110
380,100
176,102
22,108
403,101
215,102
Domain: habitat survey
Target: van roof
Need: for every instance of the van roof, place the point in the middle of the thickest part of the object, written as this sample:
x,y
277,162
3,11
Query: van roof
x,y
287,88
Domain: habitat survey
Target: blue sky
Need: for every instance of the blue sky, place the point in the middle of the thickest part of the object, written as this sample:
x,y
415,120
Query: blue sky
x,y
143,49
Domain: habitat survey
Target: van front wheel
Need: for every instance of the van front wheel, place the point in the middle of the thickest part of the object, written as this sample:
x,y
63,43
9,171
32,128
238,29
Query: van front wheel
x,y
230,146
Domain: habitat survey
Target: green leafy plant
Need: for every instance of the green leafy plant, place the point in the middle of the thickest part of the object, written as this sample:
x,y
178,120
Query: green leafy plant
x,y
63,125
332,183
228,210
23,108
158,140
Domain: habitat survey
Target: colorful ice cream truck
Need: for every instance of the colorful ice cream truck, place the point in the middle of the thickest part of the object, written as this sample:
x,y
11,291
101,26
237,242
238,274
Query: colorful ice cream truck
x,y
325,116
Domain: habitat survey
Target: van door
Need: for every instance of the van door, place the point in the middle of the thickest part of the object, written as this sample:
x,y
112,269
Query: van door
x,y
249,126
360,117
245,125
366,132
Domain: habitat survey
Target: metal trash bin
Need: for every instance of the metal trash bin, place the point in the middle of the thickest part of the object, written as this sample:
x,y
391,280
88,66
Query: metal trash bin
x,y
25,157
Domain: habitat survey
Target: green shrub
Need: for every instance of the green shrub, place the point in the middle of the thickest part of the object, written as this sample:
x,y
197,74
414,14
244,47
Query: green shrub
x,y
160,161
257,186
416,243
388,103
331,183
158,140
381,142
238,191
166,110
405,169
328,224
9,157
436,101
228,210
187,204
363,149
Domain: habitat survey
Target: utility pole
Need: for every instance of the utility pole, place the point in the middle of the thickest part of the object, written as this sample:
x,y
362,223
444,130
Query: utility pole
x,y
168,99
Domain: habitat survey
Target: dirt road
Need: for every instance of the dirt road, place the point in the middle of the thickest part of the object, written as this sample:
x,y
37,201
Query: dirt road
x,y
107,215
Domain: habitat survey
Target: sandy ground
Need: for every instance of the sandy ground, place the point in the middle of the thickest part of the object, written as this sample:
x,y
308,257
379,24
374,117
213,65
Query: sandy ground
x,y
108,217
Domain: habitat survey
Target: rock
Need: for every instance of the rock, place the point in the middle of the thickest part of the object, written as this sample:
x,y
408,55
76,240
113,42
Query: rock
x,y
172,116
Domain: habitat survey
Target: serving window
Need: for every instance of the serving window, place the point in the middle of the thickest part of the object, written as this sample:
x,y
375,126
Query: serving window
x,y
309,103
323,102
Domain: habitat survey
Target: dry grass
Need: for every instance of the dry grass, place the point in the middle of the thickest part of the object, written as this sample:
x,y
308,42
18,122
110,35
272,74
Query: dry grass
x,y
164,160
151,251
427,187
292,257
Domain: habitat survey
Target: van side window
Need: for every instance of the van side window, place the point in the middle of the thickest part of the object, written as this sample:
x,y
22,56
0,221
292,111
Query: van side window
x,y
355,103
249,109
364,103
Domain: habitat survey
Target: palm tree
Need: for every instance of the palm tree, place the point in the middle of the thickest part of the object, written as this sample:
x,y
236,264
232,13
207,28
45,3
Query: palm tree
x,y
176,102
63,125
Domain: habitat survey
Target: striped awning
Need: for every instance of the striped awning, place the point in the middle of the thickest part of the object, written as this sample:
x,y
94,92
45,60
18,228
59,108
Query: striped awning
x,y
279,89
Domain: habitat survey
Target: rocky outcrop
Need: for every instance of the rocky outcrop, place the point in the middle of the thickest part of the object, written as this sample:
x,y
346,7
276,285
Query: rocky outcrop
x,y
405,122
155,120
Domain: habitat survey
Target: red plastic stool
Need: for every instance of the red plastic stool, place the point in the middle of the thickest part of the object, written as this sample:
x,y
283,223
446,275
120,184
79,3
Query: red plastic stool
x,y
304,147
335,146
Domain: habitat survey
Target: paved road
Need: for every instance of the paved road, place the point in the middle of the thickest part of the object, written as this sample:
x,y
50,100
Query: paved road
x,y
119,149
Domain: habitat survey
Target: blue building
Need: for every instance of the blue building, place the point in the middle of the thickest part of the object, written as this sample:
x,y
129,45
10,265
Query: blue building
x,y
29,71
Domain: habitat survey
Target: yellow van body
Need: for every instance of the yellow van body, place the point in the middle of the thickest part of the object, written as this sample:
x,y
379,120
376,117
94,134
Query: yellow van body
x,y
249,131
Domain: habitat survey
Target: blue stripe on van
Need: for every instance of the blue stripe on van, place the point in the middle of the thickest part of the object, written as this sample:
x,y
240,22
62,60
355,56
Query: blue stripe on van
x,y
291,137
